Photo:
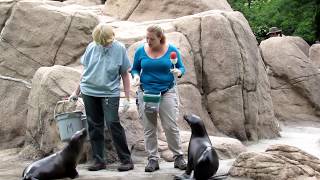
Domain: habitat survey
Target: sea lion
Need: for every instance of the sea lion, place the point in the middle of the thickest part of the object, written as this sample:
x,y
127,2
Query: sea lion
x,y
58,165
202,157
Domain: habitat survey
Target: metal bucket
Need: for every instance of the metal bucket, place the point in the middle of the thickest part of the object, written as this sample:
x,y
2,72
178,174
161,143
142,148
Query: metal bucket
x,y
69,122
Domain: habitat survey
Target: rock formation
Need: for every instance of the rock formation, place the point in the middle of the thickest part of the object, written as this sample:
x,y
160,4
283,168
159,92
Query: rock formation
x,y
294,78
281,162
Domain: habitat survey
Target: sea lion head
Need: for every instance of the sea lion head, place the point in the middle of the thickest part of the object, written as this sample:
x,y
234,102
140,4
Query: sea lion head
x,y
75,146
79,135
196,124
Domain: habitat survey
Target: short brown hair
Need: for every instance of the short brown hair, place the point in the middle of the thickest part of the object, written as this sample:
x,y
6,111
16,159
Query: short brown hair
x,y
158,31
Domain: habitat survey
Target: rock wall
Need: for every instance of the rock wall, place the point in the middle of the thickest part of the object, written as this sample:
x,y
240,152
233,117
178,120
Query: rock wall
x,y
294,78
35,34
279,162
144,10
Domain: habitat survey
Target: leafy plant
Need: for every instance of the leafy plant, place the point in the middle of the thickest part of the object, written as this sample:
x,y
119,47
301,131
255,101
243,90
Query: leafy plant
x,y
294,17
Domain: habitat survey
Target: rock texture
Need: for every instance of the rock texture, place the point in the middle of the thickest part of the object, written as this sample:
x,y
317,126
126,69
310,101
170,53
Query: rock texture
x,y
294,78
314,54
143,10
49,85
35,34
14,108
30,41
281,162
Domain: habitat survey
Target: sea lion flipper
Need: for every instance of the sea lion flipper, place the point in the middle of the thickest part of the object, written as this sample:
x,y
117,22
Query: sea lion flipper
x,y
189,168
73,173
183,176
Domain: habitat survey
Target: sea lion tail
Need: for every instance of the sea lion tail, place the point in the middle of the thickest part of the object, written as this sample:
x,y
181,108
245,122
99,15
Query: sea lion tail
x,y
219,177
25,177
28,177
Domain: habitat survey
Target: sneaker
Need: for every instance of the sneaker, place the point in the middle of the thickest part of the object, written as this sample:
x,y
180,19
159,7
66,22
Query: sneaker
x,y
97,167
180,163
152,165
125,166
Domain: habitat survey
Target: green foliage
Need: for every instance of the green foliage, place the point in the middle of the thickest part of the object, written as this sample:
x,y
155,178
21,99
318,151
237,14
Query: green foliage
x,y
294,17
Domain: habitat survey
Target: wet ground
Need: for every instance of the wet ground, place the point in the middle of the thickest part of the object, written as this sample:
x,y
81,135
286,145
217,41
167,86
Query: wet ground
x,y
305,136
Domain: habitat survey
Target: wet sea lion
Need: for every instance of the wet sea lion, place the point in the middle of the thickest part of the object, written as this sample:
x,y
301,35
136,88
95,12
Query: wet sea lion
x,y
202,157
58,165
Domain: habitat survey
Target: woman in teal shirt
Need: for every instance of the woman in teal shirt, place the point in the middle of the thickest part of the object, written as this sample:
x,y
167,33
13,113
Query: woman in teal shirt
x,y
154,72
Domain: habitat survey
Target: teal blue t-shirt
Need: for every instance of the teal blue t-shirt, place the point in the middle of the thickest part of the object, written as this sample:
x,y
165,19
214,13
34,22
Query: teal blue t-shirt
x,y
102,69
155,73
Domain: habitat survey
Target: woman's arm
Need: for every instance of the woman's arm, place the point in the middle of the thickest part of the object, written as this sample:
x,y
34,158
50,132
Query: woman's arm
x,y
75,94
179,64
126,83
136,67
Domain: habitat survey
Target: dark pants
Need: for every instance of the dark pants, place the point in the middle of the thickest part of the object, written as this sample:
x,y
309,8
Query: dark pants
x,y
101,110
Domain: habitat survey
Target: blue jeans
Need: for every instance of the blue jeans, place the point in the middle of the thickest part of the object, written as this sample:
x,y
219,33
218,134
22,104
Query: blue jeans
x,y
101,111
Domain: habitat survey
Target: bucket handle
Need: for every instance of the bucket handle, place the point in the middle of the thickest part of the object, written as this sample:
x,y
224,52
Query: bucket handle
x,y
59,102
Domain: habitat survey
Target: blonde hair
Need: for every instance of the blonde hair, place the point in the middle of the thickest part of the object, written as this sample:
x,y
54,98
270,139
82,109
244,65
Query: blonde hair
x,y
103,34
158,31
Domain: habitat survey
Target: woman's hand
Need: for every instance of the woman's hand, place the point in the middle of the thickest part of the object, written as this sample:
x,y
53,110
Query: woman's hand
x,y
73,97
176,72
126,104
136,80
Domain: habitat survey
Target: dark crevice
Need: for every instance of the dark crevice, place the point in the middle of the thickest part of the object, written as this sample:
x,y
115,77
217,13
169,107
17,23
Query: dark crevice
x,y
302,78
202,63
6,41
193,53
222,89
293,81
15,71
282,87
187,83
302,59
62,41
8,15
204,94
244,99
131,11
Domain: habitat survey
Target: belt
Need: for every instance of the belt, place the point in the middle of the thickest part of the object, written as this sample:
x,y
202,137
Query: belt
x,y
162,92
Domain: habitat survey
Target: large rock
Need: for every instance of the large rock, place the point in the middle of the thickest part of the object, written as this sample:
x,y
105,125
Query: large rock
x,y
35,34
314,54
83,2
295,80
235,81
5,7
39,33
14,108
49,85
154,10
281,162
